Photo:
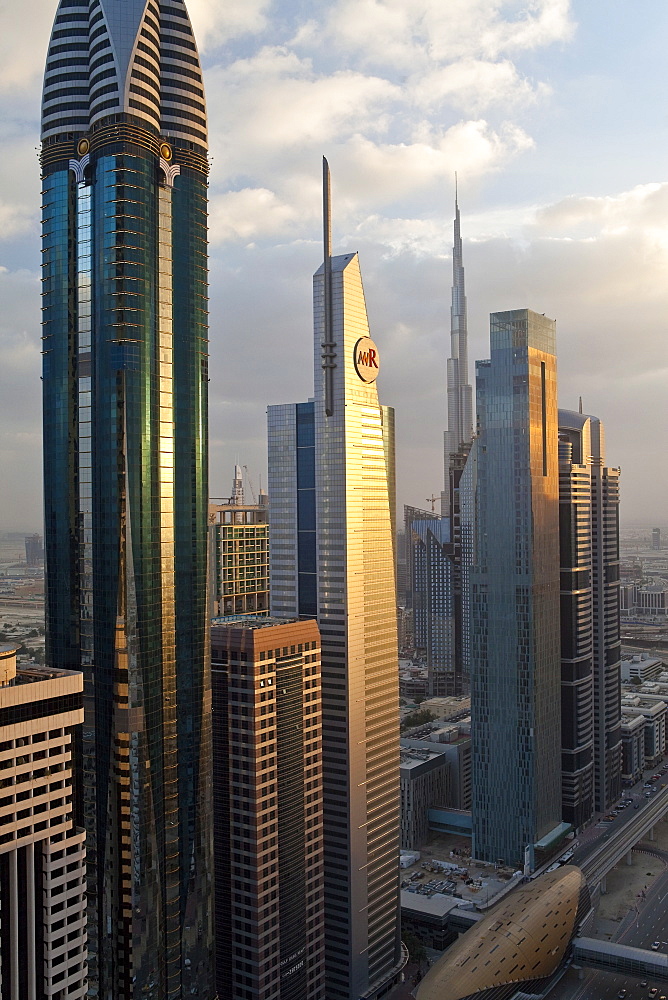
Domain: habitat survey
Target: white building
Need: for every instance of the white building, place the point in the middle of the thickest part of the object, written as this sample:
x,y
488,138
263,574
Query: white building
x,y
42,854
654,714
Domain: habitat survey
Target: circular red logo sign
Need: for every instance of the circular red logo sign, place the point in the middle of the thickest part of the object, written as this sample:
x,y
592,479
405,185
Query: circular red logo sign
x,y
367,359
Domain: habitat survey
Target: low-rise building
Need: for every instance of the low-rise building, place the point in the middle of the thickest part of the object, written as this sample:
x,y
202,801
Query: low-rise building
x,y
653,714
640,667
453,741
633,748
424,781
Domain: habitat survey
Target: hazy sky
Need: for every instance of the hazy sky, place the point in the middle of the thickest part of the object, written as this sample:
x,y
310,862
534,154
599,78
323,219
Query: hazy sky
x,y
553,113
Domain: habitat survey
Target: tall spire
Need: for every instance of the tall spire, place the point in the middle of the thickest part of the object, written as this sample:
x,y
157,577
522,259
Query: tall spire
x,y
459,392
328,345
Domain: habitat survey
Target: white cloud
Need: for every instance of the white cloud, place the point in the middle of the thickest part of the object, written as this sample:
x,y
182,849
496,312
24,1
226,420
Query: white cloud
x,y
275,102
218,21
382,172
247,214
475,85
25,30
400,32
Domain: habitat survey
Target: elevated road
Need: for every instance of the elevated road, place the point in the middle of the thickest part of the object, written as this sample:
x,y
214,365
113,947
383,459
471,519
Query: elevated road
x,y
601,856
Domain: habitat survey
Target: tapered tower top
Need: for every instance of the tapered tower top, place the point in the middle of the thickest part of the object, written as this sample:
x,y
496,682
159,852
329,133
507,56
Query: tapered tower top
x,y
133,57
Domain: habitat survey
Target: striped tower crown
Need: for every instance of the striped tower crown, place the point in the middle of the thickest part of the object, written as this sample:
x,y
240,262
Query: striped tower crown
x,y
134,57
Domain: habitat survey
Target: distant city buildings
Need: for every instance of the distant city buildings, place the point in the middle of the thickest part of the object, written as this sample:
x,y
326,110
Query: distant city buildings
x,y
43,947
433,601
644,600
590,640
513,547
331,490
34,550
656,539
268,819
239,534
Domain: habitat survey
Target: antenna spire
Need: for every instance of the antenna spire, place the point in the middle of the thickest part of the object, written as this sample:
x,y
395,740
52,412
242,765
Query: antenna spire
x,y
328,345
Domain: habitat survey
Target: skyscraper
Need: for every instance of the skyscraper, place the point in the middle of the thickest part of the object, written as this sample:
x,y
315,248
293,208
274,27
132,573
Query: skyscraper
x,y
267,780
433,602
514,594
124,164
331,555
590,640
459,393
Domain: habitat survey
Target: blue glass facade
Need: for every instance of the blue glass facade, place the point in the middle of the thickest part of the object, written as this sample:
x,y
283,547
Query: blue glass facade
x,y
434,601
512,605
125,440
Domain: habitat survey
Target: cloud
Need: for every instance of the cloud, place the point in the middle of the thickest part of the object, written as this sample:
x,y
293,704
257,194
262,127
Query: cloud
x,y
23,43
382,172
645,205
401,32
247,214
475,85
275,102
218,21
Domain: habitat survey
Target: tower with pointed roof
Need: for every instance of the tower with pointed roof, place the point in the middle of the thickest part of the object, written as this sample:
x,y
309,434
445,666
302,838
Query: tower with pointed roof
x,y
459,393
124,169
331,518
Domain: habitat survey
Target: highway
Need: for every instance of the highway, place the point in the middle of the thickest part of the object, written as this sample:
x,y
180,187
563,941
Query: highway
x,y
598,857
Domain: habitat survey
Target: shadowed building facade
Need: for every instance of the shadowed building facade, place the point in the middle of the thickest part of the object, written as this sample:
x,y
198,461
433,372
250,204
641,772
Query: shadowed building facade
x,y
513,601
331,479
590,639
267,781
124,165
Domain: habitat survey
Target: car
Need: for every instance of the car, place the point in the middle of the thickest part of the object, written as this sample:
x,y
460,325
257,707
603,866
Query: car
x,y
653,992
622,994
655,947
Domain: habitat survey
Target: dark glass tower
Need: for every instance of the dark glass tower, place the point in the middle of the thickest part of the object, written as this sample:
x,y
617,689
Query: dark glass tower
x,y
124,168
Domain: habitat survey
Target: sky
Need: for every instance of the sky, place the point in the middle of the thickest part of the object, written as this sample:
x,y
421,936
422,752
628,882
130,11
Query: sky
x,y
554,114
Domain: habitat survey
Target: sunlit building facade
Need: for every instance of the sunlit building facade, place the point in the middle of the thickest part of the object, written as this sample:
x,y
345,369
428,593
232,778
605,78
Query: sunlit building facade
x,y
239,550
124,166
43,951
332,555
514,594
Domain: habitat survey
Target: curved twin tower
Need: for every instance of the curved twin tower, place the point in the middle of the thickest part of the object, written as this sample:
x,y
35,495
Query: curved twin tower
x,y
124,166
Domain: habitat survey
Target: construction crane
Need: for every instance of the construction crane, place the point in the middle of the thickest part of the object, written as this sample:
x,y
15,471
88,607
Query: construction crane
x,y
432,500
250,484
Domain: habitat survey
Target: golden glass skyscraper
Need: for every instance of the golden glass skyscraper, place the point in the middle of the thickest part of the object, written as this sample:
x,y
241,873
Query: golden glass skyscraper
x,y
332,556
124,165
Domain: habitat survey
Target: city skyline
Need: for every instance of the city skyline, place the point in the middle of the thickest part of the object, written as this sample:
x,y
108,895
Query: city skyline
x,y
579,235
